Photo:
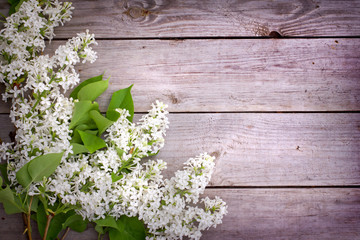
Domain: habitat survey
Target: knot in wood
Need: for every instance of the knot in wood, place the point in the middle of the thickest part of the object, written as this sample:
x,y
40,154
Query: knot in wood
x,y
136,12
275,34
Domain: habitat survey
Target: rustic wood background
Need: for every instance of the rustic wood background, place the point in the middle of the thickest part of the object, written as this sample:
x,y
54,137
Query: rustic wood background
x,y
271,88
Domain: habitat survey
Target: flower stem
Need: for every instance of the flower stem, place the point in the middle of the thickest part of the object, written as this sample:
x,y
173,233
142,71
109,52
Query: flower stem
x,y
25,223
28,226
49,217
66,232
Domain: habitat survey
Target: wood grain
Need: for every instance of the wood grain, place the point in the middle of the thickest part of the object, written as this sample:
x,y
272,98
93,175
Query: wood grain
x,y
265,149
284,175
288,214
211,18
264,214
231,75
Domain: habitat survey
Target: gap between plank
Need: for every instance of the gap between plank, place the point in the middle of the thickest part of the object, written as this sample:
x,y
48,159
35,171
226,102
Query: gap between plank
x,y
248,112
211,37
270,112
282,187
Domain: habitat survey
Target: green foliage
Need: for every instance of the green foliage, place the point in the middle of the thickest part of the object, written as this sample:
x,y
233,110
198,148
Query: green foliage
x,y
88,124
74,93
83,127
93,90
100,230
149,154
79,148
115,177
101,122
38,168
106,222
3,170
41,219
81,113
121,99
55,226
34,204
119,152
76,223
124,228
11,203
59,220
128,228
14,6
87,119
91,142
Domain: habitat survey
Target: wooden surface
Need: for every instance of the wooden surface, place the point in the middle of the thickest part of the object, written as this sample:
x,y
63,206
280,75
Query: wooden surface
x,y
265,149
231,75
309,213
280,115
213,18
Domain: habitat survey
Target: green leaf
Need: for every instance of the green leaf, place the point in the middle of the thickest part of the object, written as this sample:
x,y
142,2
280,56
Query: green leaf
x,y
101,122
74,93
44,166
87,126
121,99
41,219
23,176
149,154
43,200
86,188
3,170
119,152
113,115
14,5
76,137
11,204
38,168
76,223
35,203
91,142
78,148
92,132
56,226
19,5
107,222
99,229
81,113
115,177
83,127
128,228
92,90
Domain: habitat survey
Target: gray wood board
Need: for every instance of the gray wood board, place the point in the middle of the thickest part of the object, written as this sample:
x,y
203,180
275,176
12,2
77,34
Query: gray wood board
x,y
211,18
231,75
264,149
262,214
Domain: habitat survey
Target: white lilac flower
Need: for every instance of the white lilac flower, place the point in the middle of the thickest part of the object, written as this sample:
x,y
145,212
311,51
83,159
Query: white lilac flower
x,y
36,83
141,140
138,181
113,181
23,38
175,218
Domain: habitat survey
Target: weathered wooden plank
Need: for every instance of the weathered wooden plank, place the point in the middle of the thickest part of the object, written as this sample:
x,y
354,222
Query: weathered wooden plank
x,y
191,18
269,149
289,214
264,214
265,149
232,75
